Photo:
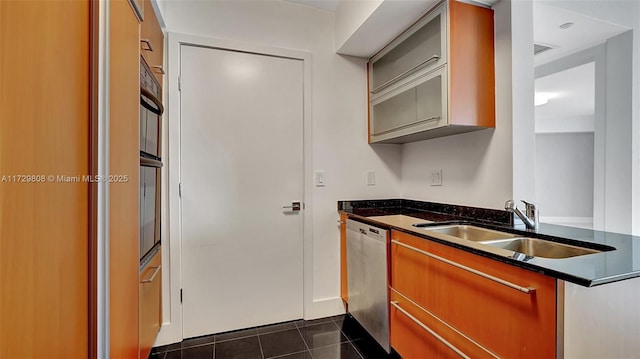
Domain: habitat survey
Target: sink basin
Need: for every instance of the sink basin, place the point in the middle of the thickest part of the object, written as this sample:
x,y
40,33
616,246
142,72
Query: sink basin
x,y
540,248
471,233
530,247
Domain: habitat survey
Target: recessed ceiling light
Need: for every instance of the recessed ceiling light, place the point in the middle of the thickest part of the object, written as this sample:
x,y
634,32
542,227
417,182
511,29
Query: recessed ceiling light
x,y
566,25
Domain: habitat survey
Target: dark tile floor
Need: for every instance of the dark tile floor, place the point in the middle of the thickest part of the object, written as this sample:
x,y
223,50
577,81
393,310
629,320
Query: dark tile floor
x,y
339,337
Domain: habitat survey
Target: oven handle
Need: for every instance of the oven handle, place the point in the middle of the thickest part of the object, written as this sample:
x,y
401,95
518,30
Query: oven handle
x,y
147,162
146,93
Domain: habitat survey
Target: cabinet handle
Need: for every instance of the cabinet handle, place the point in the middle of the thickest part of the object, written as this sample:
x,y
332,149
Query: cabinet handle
x,y
153,275
158,69
144,93
405,126
398,77
441,339
444,323
148,43
148,162
526,290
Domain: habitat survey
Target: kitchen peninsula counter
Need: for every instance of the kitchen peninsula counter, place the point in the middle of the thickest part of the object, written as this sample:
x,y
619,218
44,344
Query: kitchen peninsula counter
x,y
620,263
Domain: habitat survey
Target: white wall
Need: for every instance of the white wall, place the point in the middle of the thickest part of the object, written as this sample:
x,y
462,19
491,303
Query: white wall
x,y
339,125
477,166
604,322
564,174
627,188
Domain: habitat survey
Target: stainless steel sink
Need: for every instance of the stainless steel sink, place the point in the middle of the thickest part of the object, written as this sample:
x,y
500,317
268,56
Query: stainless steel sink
x,y
471,233
531,247
540,248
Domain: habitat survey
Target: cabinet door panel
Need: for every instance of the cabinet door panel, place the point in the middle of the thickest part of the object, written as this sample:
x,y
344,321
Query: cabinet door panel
x,y
395,112
150,304
45,118
424,47
124,159
150,30
484,310
430,99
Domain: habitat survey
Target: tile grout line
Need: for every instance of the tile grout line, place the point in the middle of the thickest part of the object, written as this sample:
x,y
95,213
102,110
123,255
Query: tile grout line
x,y
304,341
260,344
349,339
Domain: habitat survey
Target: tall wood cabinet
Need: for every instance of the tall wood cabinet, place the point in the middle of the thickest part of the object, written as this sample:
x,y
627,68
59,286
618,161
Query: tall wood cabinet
x,y
44,221
123,197
48,207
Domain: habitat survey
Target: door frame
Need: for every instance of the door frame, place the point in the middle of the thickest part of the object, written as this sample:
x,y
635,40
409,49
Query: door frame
x,y
171,214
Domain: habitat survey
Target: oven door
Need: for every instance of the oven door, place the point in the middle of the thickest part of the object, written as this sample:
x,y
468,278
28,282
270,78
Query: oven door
x,y
149,205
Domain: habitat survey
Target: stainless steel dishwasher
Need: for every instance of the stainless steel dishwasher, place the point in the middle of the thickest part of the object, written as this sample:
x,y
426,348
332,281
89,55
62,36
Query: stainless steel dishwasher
x,y
367,279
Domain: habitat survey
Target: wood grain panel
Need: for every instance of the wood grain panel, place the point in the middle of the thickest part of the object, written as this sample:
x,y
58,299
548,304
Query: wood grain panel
x,y
150,305
486,311
344,288
150,29
471,65
44,130
123,197
415,342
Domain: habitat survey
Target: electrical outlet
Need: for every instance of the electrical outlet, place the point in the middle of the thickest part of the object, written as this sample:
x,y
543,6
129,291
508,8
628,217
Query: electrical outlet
x,y
436,177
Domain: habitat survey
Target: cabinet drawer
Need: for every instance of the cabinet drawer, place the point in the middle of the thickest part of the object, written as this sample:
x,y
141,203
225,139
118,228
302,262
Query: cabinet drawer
x,y
150,303
481,308
416,333
422,47
417,106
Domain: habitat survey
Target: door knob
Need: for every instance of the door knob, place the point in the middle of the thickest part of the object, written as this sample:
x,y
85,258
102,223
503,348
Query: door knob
x,y
295,206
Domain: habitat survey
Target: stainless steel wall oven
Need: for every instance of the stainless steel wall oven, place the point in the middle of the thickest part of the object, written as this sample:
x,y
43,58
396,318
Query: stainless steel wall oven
x,y
151,110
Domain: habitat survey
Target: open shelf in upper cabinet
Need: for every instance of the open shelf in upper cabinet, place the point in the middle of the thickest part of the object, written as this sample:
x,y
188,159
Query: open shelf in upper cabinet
x,y
436,79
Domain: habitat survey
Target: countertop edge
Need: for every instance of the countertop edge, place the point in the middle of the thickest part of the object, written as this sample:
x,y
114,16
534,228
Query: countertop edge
x,y
585,282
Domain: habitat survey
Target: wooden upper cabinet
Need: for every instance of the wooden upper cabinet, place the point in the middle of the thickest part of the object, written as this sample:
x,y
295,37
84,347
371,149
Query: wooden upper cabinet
x,y
436,79
44,221
152,41
483,317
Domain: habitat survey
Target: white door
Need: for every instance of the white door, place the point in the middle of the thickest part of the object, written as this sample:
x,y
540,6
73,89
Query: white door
x,y
241,162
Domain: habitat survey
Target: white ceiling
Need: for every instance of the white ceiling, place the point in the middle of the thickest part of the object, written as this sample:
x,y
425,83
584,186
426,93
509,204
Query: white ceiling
x,y
586,31
330,5
574,88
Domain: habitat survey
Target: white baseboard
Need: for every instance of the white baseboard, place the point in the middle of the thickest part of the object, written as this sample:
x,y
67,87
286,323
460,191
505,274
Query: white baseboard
x,y
169,333
321,308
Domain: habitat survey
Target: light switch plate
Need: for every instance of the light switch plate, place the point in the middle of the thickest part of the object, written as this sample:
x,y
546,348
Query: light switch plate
x,y
371,178
436,177
321,179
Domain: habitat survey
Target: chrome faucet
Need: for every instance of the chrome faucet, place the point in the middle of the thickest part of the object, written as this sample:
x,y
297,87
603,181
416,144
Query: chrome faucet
x,y
530,218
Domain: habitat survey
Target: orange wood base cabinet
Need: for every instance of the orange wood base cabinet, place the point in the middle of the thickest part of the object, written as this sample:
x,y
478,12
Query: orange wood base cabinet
x,y
439,310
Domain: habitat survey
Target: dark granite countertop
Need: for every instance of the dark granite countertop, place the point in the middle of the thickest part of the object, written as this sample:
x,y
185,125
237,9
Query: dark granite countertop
x,y
589,270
